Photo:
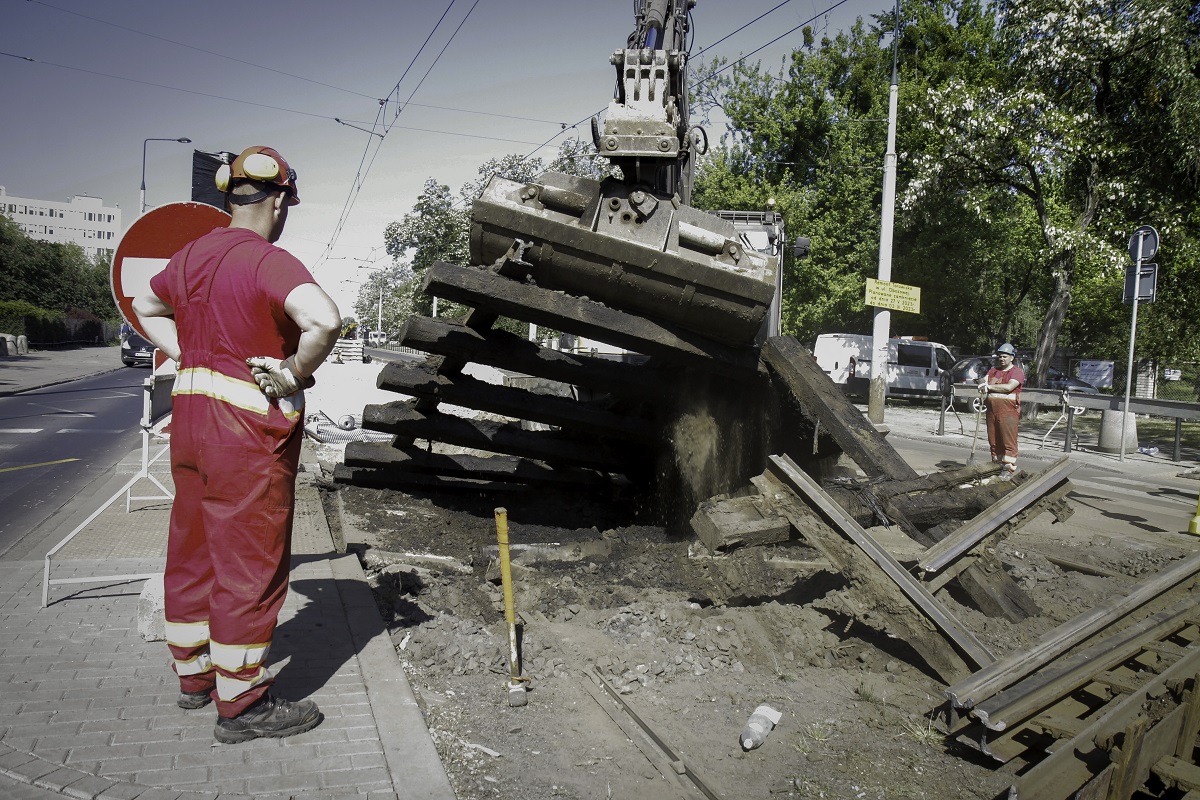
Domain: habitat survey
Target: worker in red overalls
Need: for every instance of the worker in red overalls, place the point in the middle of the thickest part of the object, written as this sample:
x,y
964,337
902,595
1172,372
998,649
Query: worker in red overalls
x,y
1001,392
248,325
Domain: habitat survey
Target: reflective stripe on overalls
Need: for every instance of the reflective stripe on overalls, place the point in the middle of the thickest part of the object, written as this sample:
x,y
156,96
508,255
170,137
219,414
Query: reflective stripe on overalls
x,y
234,455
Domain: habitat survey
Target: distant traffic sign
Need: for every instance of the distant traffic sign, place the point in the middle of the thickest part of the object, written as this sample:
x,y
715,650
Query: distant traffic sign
x,y
148,244
1146,282
1143,245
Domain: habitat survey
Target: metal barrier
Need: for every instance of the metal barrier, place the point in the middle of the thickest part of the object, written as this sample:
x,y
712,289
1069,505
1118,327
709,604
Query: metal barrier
x,y
1072,404
156,410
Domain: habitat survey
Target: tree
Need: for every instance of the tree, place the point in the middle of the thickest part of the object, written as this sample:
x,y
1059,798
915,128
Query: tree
x,y
53,276
435,230
813,136
1059,131
383,301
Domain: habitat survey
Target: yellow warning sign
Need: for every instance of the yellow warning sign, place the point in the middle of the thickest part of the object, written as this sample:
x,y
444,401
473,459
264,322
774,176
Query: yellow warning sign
x,y
896,296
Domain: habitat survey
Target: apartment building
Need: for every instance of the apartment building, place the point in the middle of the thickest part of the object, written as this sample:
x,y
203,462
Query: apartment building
x,y
82,220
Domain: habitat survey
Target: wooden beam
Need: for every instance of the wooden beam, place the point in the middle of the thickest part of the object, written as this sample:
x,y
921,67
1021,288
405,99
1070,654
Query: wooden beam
x,y
511,352
1016,665
881,584
822,401
553,447
379,455
396,479
418,380
976,530
483,289
739,522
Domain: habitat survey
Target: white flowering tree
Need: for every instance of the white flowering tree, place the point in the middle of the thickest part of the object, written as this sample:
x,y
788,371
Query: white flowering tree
x,y
812,136
1058,131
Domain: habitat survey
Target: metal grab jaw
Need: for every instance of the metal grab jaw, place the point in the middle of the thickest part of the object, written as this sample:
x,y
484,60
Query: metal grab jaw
x,y
644,121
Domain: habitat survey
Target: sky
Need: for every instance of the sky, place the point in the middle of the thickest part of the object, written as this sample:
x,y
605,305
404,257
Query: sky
x,y
83,84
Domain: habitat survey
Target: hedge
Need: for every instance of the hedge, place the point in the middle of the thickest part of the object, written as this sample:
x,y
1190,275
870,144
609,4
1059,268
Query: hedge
x,y
43,327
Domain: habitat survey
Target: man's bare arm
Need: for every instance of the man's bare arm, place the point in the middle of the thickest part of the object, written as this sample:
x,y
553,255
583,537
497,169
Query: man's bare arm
x,y
320,323
155,317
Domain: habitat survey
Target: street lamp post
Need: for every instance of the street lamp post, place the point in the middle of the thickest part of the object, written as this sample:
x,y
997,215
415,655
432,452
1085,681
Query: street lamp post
x,y
181,140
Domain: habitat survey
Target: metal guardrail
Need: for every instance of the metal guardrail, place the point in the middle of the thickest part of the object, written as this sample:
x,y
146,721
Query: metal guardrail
x,y
1071,404
1177,409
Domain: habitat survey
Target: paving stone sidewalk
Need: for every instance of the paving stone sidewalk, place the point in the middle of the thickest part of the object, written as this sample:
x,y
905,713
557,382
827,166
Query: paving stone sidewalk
x,y
87,708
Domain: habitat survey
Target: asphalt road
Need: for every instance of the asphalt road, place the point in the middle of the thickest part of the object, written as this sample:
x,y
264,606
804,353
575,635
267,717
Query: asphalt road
x,y
55,442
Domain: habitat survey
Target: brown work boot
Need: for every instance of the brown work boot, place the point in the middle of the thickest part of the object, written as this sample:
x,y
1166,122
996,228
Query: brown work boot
x,y
271,717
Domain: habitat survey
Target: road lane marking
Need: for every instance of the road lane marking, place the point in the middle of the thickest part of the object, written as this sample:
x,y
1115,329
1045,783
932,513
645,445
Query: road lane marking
x,y
21,430
91,430
42,464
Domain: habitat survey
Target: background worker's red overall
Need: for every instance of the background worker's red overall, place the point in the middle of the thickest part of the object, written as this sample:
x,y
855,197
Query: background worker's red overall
x,y
1003,416
234,457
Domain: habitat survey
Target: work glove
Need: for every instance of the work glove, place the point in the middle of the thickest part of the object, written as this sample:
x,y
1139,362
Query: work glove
x,y
276,378
983,389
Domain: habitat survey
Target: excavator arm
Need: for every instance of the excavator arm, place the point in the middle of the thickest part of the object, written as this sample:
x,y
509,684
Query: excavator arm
x,y
645,130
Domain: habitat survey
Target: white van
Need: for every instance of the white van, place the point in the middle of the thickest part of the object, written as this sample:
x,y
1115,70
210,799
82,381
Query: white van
x,y
376,338
914,367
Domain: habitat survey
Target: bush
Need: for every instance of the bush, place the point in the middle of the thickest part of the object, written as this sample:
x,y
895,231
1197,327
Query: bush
x,y
40,326
83,326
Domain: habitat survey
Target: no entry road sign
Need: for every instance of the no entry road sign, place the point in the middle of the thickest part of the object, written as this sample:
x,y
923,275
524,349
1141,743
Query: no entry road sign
x,y
148,244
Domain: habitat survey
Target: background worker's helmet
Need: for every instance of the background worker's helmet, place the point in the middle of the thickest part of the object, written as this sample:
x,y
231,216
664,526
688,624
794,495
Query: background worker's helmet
x,y
262,164
1007,349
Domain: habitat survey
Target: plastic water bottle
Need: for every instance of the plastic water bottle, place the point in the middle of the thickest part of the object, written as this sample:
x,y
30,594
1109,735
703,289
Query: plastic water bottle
x,y
761,722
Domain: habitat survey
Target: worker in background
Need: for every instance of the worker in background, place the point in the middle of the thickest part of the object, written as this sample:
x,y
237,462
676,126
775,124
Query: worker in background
x,y
248,326
1001,393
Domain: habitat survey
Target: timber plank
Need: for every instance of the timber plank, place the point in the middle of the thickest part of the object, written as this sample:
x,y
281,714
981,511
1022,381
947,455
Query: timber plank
x,y
511,352
822,401
398,479
737,522
921,511
379,455
1042,690
553,447
977,529
1017,665
481,288
418,380
1178,773
875,578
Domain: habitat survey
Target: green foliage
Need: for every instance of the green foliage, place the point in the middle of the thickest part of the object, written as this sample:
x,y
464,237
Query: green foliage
x,y
1028,152
1068,126
40,326
53,276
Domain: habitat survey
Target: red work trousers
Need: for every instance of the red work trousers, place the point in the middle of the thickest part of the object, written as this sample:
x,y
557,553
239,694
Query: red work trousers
x,y
229,548
1002,418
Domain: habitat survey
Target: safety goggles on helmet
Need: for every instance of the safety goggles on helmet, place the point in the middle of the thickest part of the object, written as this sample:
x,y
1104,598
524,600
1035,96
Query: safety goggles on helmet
x,y
262,164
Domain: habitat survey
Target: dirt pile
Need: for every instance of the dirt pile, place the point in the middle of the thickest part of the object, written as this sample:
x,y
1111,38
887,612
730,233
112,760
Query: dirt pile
x,y
692,641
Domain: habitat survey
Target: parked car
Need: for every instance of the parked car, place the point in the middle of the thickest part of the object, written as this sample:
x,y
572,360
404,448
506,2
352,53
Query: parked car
x,y
136,351
973,369
1060,381
915,367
